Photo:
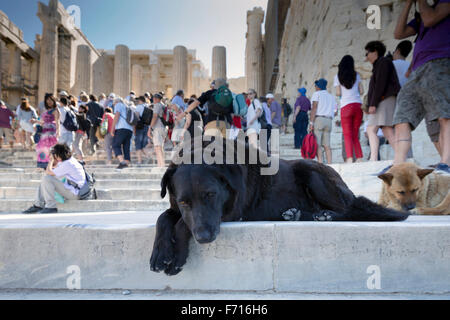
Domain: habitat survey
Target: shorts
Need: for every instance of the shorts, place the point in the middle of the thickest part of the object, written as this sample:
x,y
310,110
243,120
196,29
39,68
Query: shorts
x,y
212,129
426,94
8,134
322,130
384,115
159,136
67,138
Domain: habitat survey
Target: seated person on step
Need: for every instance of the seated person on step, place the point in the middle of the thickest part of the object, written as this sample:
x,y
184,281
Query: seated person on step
x,y
61,165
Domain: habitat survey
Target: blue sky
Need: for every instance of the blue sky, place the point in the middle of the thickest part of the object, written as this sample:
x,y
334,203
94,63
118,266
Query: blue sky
x,y
150,24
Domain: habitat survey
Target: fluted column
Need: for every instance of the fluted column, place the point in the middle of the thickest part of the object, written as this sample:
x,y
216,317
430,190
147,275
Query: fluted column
x,y
48,58
219,63
15,74
180,69
254,51
83,70
136,78
122,73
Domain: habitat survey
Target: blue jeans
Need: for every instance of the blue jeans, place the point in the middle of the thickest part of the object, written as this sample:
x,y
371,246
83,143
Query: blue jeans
x,y
122,140
141,138
301,128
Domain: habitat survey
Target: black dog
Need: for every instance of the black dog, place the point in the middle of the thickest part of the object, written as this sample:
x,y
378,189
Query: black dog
x,y
202,196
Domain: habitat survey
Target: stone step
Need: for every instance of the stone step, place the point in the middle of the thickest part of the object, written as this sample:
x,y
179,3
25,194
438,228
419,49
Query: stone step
x,y
101,184
102,194
107,175
112,250
19,205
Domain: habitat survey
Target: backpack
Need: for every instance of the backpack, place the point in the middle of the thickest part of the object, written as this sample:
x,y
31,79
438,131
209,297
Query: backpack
x,y
87,191
262,119
146,119
70,122
221,102
239,105
287,110
132,116
104,127
167,118
309,146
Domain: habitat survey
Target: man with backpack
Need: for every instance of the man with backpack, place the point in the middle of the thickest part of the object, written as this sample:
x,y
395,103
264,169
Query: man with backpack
x,y
286,112
123,132
220,108
75,187
141,129
69,124
426,94
95,115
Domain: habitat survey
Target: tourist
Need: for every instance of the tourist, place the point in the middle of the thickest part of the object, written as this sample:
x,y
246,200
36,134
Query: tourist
x,y
131,97
66,135
426,94
275,111
50,124
180,127
157,130
95,114
63,94
401,65
382,96
268,115
122,134
84,128
302,106
25,114
6,116
255,111
194,122
141,133
324,108
61,165
102,100
286,112
215,123
108,139
179,100
349,89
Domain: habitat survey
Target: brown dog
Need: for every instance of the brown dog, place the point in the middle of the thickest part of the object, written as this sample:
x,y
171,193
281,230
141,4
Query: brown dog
x,y
409,187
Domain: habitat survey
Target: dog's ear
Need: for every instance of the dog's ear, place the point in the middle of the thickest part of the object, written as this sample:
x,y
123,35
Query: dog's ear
x,y
422,173
232,176
166,183
387,178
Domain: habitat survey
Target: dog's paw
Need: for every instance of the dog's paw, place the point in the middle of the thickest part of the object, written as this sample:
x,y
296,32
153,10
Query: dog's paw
x,y
178,262
162,256
323,216
292,215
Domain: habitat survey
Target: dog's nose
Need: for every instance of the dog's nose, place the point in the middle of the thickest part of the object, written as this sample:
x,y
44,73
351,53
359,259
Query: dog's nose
x,y
409,206
203,235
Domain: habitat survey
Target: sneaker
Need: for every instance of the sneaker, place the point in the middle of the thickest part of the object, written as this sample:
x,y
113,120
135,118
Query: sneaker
x,y
122,166
32,210
443,168
48,210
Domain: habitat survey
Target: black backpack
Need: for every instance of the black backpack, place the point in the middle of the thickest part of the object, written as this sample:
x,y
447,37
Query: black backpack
x,y
87,191
146,119
70,122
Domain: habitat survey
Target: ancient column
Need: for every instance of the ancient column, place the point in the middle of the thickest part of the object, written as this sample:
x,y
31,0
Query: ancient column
x,y
154,73
83,70
180,69
122,72
219,63
136,78
48,58
15,74
254,51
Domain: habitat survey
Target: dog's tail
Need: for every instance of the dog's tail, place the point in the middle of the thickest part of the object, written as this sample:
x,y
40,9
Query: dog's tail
x,y
362,209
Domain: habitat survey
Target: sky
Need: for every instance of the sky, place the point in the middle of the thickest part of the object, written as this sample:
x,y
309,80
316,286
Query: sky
x,y
154,24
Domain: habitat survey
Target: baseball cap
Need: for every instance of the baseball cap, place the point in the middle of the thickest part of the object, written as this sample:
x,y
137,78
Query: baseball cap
x,y
321,84
270,96
63,93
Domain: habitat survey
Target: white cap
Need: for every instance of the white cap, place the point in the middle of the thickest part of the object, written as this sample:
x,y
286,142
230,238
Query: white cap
x,y
270,96
63,93
112,96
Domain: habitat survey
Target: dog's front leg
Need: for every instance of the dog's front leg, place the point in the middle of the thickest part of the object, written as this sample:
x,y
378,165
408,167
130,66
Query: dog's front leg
x,y
163,246
181,248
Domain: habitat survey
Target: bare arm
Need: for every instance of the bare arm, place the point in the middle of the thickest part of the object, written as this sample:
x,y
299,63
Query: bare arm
x,y
338,91
432,16
361,89
116,119
314,111
402,30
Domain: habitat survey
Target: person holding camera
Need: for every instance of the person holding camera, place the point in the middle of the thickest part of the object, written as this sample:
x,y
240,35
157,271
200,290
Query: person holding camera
x,y
61,165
